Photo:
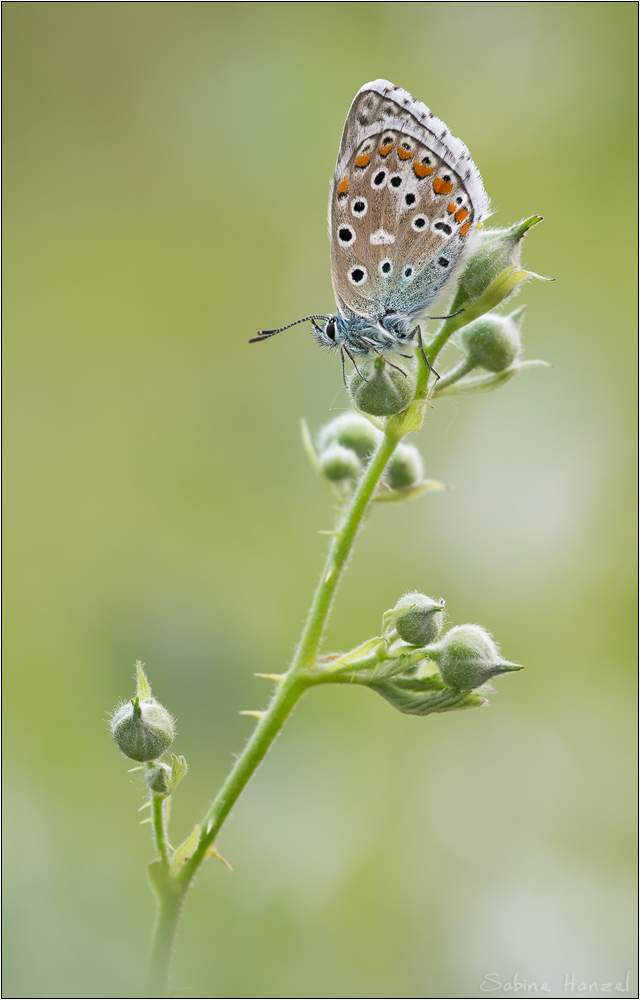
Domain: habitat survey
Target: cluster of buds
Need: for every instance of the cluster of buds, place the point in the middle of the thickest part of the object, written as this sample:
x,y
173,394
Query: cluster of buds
x,y
143,730
417,668
344,446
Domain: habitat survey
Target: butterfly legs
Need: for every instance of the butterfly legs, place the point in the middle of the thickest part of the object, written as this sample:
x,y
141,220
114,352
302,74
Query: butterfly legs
x,y
418,331
344,350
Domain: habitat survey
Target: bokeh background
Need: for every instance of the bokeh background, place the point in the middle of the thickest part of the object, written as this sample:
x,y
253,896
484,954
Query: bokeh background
x,y
166,180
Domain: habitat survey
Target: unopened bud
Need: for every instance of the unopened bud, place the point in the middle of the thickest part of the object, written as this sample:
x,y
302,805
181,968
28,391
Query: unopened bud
x,y
340,463
492,341
422,622
142,729
467,657
158,779
351,430
405,468
384,391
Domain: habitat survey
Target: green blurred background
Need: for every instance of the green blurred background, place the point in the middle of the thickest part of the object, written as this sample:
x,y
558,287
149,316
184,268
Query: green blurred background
x,y
166,179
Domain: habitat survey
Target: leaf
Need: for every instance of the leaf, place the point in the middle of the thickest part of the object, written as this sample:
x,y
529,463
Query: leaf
x,y
184,851
409,420
416,696
411,492
489,381
178,771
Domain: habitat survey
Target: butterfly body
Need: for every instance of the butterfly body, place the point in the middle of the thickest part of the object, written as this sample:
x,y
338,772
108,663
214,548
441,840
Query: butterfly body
x,y
405,205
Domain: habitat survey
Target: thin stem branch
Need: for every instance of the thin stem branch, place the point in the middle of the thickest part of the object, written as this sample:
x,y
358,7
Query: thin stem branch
x,y
294,683
290,688
159,832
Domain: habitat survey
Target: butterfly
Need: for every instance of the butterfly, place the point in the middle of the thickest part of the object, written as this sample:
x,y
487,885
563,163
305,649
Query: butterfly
x,y
405,206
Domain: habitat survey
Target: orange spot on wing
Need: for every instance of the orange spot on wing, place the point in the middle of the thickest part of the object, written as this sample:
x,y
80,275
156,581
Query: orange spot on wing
x,y
451,208
461,214
465,229
343,186
363,160
404,154
383,150
441,186
422,170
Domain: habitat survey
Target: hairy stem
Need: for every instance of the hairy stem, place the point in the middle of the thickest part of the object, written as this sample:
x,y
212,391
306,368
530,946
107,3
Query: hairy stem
x,y
159,832
289,689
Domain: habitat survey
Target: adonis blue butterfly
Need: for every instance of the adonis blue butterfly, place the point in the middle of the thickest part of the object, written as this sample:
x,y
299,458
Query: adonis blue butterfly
x,y
406,203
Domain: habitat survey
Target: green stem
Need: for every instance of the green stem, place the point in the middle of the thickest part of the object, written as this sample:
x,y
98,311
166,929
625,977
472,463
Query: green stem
x,y
159,832
297,679
290,688
164,934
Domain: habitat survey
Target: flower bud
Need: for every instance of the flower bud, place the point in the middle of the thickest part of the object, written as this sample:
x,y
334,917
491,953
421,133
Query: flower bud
x,y
158,779
353,431
467,657
340,463
492,341
422,623
385,391
405,468
494,251
142,729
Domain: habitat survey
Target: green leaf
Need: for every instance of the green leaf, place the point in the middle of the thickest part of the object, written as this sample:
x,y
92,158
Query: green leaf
x,y
488,381
184,851
416,696
178,771
408,421
410,492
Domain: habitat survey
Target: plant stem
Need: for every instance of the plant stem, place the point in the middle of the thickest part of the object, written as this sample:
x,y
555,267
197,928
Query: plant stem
x,y
290,688
293,684
157,818
164,934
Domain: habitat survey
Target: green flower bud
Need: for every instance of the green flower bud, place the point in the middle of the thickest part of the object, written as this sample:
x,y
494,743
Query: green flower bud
x,y
158,779
422,623
340,463
142,729
385,391
495,250
492,341
405,468
467,657
353,431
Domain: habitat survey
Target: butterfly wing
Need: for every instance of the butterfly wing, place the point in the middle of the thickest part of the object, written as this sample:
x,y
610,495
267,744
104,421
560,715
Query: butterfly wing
x,y
405,203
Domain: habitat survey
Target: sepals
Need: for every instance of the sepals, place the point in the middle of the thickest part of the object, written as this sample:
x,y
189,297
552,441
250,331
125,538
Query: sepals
x,y
467,657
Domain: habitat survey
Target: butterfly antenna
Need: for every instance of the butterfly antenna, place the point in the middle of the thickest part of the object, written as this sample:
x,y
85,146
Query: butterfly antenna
x,y
265,334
